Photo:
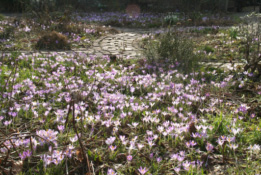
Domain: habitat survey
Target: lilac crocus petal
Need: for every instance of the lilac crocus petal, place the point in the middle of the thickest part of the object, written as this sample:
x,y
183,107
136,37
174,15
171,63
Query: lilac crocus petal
x,y
129,157
159,159
252,115
209,147
132,89
25,154
192,143
177,169
60,128
110,140
74,139
112,148
186,165
143,170
111,172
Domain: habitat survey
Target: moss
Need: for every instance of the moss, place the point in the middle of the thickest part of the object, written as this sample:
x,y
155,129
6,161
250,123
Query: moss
x,y
53,41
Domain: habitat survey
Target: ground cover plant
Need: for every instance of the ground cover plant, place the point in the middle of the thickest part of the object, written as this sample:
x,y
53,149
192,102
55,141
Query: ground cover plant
x,y
82,114
77,114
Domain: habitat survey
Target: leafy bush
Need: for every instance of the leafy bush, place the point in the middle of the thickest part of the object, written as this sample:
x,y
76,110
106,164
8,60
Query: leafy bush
x,y
173,47
251,31
53,41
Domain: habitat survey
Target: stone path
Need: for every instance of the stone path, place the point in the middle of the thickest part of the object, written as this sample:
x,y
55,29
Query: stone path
x,y
124,44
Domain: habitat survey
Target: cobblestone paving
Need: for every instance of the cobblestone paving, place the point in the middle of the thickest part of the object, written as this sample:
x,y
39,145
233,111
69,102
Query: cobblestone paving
x,y
124,44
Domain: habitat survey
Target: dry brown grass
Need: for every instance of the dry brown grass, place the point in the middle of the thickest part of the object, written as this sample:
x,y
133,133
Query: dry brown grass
x,y
53,41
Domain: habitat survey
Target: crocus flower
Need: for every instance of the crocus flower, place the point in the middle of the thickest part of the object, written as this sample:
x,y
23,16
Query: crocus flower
x,y
254,148
143,170
111,172
209,147
186,165
252,115
220,142
233,146
25,154
60,128
6,123
74,139
132,89
112,147
159,159
110,140
129,157
177,169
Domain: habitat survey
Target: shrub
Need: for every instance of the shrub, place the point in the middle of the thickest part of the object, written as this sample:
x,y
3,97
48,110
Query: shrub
x,y
251,31
53,41
173,47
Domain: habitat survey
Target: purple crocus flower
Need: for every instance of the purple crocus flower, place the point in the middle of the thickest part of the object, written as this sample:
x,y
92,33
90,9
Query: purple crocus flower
x,y
25,154
143,170
209,147
129,157
111,172
110,140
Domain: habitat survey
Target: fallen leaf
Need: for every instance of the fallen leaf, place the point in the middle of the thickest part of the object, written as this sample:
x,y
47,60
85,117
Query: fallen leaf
x,y
79,154
17,167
